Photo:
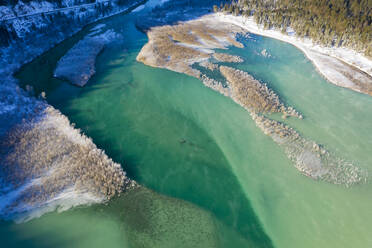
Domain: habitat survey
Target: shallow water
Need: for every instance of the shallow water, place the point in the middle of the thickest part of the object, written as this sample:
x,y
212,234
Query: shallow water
x,y
229,184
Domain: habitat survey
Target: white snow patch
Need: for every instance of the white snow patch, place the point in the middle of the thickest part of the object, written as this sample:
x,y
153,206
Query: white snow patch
x,y
98,27
265,53
139,8
6,13
326,59
196,47
66,200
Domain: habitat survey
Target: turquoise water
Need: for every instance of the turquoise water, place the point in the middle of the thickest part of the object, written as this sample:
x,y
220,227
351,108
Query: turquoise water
x,y
217,180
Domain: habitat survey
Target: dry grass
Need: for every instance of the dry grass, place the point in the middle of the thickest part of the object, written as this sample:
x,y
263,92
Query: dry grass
x,y
215,85
250,92
253,95
309,158
50,155
223,57
177,47
208,65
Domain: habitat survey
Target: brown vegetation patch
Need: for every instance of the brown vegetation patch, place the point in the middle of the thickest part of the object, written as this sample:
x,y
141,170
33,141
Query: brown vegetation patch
x,y
208,65
224,57
50,156
254,95
310,158
215,85
178,52
177,47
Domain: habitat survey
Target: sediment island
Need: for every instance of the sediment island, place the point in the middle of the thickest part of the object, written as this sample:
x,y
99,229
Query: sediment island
x,y
180,46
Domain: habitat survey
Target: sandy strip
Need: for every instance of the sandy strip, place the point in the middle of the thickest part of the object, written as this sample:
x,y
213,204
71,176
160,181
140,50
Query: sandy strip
x,y
341,66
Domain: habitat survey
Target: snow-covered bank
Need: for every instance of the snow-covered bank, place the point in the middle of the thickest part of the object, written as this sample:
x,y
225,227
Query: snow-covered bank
x,y
45,163
20,38
78,64
14,102
341,66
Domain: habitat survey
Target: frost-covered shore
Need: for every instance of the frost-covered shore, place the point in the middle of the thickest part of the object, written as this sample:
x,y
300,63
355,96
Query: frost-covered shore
x,y
46,163
341,66
78,64
21,42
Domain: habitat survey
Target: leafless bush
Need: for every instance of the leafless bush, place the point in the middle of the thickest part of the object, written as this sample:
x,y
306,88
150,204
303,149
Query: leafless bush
x,y
46,156
310,158
223,57
254,95
179,46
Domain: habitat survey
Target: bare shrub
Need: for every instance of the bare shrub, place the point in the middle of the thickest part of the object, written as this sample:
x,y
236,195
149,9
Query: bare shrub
x,y
179,46
310,158
45,157
254,95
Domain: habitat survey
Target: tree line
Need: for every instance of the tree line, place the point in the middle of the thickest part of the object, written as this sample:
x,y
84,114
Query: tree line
x,y
329,22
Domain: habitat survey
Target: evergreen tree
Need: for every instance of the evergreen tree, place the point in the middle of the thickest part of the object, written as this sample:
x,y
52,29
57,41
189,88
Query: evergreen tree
x,y
329,22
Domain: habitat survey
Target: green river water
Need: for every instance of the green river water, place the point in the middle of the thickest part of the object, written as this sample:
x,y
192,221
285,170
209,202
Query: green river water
x,y
210,177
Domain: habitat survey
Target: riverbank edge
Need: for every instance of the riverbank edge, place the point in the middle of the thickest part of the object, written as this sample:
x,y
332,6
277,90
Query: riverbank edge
x,y
357,61
8,67
20,108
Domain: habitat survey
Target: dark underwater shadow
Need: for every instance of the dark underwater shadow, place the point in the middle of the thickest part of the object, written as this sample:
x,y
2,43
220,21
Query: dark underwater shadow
x,y
206,180
199,182
16,236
